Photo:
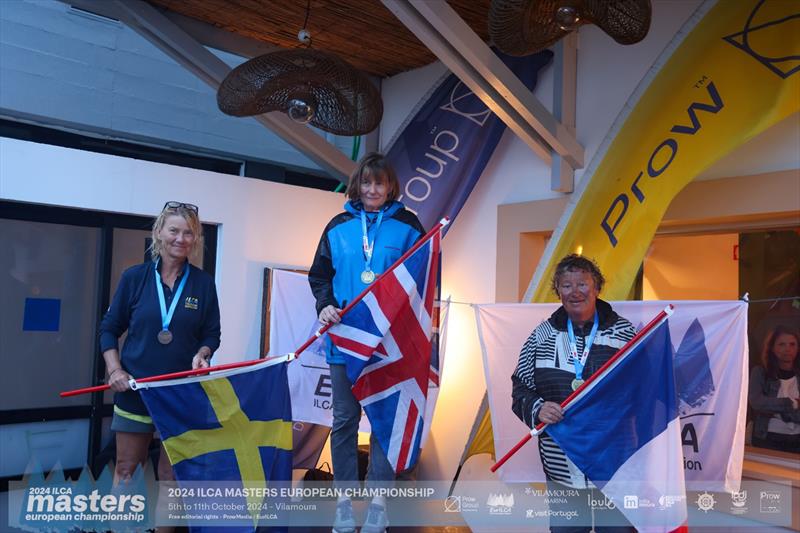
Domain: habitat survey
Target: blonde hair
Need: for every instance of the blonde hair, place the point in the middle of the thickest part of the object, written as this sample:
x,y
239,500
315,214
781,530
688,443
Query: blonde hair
x,y
191,219
373,165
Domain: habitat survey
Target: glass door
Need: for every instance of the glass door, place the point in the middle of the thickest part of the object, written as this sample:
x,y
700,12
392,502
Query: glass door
x,y
48,312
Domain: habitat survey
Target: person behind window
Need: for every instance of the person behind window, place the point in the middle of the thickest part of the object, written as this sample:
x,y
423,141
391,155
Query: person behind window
x,y
775,393
170,310
356,246
560,354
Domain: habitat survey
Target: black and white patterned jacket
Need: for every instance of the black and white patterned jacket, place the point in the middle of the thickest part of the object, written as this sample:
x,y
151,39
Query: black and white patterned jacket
x,y
545,372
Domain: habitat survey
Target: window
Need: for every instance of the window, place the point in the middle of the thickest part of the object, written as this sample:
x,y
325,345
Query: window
x,y
766,266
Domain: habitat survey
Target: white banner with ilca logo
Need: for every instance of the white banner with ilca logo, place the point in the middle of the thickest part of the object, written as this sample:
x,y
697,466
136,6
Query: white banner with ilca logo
x,y
292,321
711,358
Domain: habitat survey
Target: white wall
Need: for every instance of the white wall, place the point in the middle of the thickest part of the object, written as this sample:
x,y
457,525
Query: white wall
x,y
607,75
261,222
709,272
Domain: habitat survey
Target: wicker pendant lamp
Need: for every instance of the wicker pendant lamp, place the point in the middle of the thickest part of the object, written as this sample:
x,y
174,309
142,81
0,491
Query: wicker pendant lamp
x,y
523,27
311,86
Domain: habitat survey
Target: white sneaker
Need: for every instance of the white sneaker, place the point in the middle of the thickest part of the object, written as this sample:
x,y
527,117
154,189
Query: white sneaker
x,y
344,522
377,521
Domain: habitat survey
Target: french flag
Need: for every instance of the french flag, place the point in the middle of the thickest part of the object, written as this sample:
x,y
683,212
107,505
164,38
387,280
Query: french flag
x,y
623,432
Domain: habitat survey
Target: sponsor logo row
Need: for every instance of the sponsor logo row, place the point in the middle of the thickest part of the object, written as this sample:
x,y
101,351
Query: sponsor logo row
x,y
763,501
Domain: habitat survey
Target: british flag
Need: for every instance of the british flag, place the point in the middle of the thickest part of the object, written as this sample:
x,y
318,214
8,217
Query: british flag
x,y
386,339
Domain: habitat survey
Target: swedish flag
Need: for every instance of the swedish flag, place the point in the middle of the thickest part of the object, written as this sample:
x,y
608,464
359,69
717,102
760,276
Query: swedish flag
x,y
232,427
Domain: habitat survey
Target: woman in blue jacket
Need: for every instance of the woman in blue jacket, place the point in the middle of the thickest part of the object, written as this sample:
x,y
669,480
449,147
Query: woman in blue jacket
x,y
357,246
169,309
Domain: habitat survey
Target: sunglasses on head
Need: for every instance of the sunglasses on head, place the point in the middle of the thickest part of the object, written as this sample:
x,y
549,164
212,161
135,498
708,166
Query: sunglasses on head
x,y
177,205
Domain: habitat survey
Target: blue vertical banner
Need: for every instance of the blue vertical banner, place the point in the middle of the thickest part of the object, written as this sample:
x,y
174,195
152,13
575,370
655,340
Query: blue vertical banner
x,y
442,151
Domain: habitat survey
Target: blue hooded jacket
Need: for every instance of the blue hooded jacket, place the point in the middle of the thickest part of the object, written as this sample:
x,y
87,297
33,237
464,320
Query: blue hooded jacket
x,y
335,275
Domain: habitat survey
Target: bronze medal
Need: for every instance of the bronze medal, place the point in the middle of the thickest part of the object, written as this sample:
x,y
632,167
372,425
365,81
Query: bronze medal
x,y
165,336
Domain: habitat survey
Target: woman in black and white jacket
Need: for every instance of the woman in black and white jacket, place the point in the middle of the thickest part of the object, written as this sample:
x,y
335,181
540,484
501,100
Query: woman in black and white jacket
x,y
774,391
561,353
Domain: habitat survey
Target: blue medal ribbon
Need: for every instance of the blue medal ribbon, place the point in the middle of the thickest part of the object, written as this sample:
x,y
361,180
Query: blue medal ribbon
x,y
573,346
367,246
166,316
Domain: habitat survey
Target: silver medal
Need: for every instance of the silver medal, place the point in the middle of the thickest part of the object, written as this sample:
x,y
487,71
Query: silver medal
x,y
576,383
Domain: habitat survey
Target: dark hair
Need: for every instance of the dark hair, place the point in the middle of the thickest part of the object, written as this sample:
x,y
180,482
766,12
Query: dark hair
x,y
574,262
768,357
376,165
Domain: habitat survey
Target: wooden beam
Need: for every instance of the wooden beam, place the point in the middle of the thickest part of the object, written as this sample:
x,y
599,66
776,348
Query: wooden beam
x,y
440,28
562,175
565,63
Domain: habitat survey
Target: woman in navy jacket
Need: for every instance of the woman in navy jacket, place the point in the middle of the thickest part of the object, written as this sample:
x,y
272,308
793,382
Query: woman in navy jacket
x,y
169,309
357,246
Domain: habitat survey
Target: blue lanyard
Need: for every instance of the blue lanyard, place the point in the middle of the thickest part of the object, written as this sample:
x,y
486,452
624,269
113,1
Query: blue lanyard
x,y
166,317
367,246
573,346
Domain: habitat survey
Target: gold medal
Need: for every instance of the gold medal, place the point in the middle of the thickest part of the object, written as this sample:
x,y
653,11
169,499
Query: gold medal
x,y
576,383
368,276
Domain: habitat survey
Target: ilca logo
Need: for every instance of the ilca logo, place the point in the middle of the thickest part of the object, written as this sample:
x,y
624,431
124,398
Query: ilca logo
x,y
501,504
765,21
695,384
